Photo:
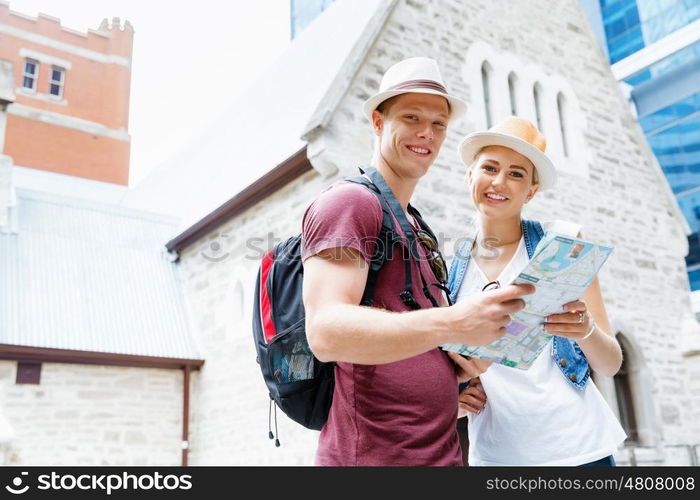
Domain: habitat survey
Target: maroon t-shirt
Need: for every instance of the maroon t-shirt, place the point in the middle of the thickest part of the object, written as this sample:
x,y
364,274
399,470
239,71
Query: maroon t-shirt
x,y
401,413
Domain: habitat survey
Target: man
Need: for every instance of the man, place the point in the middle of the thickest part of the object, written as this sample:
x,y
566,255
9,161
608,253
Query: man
x,y
395,397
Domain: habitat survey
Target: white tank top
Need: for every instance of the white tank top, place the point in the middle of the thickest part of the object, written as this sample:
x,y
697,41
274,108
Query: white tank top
x,y
536,417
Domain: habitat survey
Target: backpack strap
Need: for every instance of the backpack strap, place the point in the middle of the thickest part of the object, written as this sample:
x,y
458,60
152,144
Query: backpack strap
x,y
410,251
384,248
387,199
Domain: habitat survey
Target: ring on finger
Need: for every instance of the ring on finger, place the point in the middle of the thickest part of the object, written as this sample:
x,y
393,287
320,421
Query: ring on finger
x,y
581,316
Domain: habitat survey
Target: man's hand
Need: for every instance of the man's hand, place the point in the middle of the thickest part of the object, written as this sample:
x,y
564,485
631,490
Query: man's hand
x,y
482,318
472,399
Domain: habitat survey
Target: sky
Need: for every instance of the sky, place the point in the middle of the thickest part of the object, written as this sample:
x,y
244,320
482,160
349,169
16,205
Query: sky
x,y
190,60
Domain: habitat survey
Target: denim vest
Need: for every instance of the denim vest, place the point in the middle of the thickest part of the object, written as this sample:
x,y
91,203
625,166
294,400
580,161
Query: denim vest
x,y
566,353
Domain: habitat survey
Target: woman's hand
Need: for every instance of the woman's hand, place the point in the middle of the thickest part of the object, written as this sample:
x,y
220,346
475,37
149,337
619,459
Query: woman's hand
x,y
575,323
593,334
472,399
467,367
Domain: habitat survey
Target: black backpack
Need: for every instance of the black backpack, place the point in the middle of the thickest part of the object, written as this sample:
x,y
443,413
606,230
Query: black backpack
x,y
298,383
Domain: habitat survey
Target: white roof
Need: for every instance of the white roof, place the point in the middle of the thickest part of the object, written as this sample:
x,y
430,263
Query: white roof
x,y
83,273
265,125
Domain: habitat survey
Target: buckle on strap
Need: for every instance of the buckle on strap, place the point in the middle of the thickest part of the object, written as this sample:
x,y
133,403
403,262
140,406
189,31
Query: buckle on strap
x,y
409,300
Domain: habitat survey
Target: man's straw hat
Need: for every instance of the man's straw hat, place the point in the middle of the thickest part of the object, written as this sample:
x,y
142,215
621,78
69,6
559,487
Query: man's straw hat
x,y
417,74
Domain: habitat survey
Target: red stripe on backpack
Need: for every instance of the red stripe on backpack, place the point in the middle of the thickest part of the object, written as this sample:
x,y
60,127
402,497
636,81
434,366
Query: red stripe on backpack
x,y
265,304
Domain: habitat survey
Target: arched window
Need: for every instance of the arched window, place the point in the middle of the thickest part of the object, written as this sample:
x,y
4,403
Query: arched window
x,y
486,77
563,125
624,395
512,86
537,94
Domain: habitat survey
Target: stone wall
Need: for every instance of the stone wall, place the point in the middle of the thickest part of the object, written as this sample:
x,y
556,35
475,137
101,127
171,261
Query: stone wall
x,y
230,410
92,415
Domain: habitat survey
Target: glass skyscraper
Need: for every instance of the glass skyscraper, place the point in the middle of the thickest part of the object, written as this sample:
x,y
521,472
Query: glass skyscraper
x,y
654,46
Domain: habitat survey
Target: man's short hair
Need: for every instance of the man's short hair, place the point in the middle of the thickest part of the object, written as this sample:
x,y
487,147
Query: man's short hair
x,y
383,107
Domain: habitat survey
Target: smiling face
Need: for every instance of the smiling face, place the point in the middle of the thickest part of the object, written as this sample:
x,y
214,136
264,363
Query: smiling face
x,y
411,129
501,181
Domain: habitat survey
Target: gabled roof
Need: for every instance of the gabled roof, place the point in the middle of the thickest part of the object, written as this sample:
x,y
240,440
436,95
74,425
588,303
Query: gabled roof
x,y
85,275
265,125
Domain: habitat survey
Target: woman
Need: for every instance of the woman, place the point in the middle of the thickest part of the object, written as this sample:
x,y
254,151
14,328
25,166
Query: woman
x,y
551,414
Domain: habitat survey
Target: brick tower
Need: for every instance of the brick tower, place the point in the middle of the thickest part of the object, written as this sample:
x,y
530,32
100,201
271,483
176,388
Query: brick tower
x,y
71,112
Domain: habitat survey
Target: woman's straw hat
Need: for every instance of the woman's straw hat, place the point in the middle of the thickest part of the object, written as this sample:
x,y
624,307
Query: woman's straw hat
x,y
519,135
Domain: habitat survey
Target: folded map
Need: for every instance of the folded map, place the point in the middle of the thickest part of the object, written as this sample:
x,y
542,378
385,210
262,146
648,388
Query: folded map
x,y
561,269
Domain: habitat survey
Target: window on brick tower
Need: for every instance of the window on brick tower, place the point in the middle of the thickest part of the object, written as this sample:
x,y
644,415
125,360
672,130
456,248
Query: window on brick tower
x,y
57,79
31,74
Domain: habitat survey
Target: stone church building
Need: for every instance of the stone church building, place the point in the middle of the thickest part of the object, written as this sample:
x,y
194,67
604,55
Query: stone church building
x,y
300,128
